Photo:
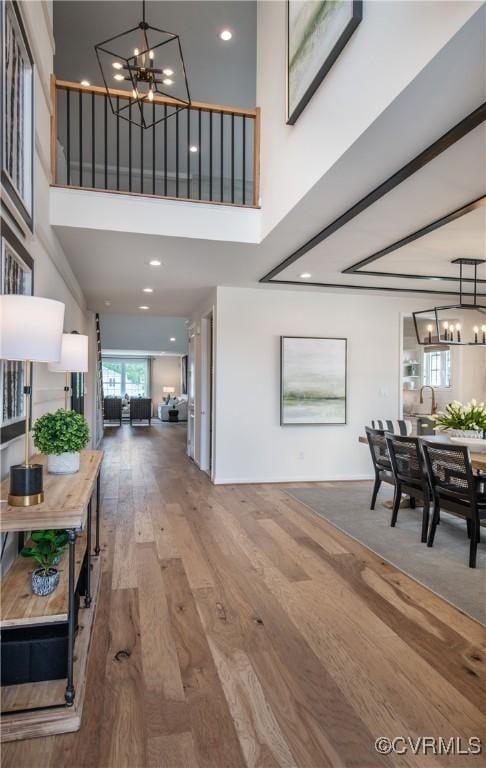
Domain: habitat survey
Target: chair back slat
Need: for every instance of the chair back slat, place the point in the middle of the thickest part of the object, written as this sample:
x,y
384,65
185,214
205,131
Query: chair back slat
x,y
450,469
406,458
378,448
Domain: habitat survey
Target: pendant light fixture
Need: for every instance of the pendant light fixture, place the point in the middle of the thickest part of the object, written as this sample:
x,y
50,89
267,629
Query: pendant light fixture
x,y
463,323
146,62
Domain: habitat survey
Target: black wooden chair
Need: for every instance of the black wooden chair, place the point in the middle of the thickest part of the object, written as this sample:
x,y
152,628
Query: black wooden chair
x,y
112,409
456,489
381,461
410,477
141,409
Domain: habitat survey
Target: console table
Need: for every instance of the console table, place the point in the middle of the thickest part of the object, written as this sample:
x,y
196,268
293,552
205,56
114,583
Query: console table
x,y
50,707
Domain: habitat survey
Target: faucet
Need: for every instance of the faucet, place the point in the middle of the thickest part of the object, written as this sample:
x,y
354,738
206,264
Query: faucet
x,y
434,404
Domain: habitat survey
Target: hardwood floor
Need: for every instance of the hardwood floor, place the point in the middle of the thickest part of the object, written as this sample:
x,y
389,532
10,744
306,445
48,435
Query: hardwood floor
x,y
236,628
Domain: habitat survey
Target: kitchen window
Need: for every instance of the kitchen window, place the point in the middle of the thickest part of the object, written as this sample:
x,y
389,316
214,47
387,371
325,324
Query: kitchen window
x,y
437,368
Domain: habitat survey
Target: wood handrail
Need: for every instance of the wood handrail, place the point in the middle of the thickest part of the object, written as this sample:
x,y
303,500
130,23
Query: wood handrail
x,y
101,91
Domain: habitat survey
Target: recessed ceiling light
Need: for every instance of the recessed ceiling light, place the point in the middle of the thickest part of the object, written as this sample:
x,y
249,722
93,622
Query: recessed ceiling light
x,y
193,148
168,72
225,35
305,275
155,263
148,290
117,65
85,83
118,77
172,338
144,306
107,303
167,81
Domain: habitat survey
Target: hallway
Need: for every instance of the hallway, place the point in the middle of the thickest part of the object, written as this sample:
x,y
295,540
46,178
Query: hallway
x,y
236,628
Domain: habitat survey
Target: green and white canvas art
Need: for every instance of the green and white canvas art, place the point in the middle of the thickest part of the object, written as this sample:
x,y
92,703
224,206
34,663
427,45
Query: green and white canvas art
x,y
313,380
318,30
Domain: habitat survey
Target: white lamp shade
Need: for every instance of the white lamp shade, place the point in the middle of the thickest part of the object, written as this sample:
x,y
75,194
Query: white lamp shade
x,y
74,354
30,328
168,390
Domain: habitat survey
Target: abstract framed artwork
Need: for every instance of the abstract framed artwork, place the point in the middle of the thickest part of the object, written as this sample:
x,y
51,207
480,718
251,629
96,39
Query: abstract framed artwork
x,y
17,123
317,31
16,276
312,380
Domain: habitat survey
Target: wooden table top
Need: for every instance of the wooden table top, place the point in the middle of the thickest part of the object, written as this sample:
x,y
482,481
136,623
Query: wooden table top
x,y
478,459
66,498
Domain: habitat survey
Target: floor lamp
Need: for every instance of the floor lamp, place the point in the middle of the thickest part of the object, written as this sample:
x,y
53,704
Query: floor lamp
x,y
30,331
74,359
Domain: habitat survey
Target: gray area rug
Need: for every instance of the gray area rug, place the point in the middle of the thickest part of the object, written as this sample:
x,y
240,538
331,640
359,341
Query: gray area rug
x,y
442,568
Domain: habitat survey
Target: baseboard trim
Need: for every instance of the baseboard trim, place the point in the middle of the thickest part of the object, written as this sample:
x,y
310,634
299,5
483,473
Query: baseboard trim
x,y
283,480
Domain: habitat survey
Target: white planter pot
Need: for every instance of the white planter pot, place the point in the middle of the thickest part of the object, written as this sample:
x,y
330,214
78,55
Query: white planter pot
x,y
63,464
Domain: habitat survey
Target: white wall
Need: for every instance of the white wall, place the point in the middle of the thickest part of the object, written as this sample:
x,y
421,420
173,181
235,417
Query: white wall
x,y
53,277
166,371
251,446
394,42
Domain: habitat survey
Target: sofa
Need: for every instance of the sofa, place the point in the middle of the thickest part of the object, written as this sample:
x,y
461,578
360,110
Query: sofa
x,y
176,402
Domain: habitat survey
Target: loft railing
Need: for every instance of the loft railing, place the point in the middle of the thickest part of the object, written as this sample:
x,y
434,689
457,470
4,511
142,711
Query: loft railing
x,y
91,148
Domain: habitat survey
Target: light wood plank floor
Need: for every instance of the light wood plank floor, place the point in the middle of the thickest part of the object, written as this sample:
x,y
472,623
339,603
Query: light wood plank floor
x,y
236,628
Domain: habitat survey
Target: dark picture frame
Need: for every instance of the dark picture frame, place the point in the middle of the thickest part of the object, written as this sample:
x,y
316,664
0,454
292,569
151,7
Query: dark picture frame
x,y
17,112
295,110
12,373
308,409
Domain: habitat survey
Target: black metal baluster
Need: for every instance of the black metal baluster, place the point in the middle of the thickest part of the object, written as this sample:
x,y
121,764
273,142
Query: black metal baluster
x,y
232,157
68,138
244,160
177,154
199,159
93,141
106,142
129,145
141,151
117,143
153,148
165,150
211,155
188,185
80,139
221,159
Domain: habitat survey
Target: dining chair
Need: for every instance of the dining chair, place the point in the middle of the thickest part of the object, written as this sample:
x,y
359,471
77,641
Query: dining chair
x,y
381,461
395,426
410,476
456,489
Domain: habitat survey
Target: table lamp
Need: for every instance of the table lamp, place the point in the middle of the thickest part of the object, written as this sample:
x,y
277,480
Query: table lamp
x,y
168,391
30,331
74,359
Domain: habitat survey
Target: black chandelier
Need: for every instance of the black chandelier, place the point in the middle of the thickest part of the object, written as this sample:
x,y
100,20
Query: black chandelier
x,y
131,58
455,324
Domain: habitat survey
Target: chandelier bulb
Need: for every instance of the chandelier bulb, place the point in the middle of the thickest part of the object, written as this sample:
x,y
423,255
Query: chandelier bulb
x,y
151,95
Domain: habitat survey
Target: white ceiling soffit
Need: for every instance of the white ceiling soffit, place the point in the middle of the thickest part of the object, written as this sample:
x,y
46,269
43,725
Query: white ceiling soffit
x,y
454,179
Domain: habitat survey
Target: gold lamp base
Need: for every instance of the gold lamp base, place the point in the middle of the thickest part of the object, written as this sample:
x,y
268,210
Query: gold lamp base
x,y
26,501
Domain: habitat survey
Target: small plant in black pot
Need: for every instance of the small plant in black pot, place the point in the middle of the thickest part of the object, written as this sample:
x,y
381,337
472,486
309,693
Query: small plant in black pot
x,y
47,550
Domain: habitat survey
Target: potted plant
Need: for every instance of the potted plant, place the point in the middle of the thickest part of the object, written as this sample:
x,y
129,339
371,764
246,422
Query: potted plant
x,y
47,551
62,435
464,421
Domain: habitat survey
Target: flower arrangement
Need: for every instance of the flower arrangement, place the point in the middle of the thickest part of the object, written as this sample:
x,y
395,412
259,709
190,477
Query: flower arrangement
x,y
466,418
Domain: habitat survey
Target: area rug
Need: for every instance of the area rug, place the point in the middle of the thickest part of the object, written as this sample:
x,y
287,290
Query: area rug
x,y
442,568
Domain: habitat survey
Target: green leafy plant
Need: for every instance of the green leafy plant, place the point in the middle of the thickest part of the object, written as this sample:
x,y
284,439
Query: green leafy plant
x,y
61,432
48,546
458,416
